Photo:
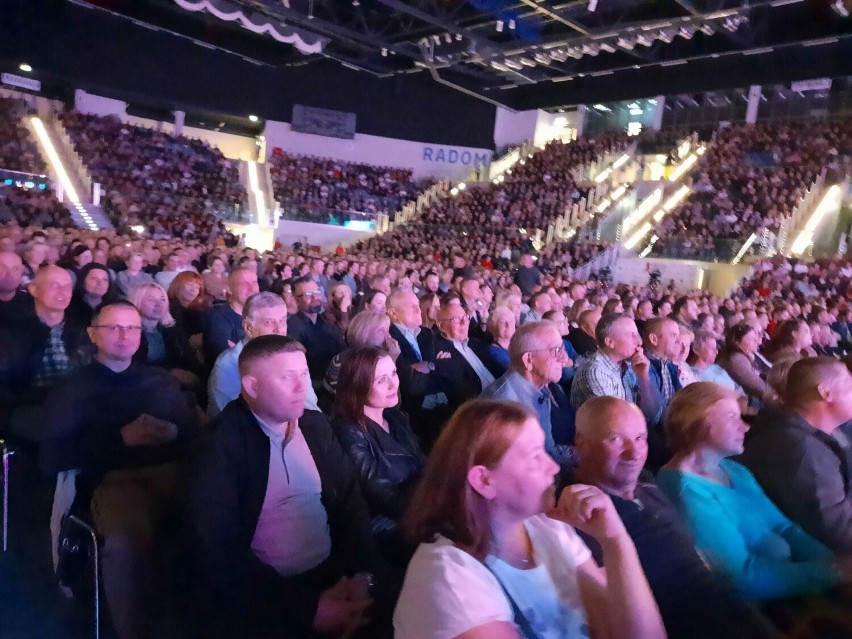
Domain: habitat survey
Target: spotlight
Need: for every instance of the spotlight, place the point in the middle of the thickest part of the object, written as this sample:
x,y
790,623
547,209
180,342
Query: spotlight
x,y
707,29
252,118
384,53
499,26
25,67
512,24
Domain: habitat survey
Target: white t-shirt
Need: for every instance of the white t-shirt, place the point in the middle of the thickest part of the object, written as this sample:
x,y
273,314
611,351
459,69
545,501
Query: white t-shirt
x,y
448,591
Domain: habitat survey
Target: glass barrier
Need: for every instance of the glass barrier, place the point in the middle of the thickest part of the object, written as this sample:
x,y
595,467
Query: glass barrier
x,y
21,179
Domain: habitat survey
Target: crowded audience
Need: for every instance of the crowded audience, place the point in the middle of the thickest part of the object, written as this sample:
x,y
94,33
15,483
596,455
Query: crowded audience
x,y
172,185
751,177
455,439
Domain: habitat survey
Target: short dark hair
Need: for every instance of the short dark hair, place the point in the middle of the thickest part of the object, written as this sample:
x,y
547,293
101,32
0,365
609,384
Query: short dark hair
x,y
266,346
604,327
679,304
96,316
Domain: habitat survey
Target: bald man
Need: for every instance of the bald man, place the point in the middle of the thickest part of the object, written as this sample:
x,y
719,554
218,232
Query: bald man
x,y
38,349
612,447
791,452
14,302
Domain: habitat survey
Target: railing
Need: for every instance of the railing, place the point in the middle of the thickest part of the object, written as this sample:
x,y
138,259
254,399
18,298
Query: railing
x,y
412,210
332,216
501,165
9,177
67,152
783,236
723,250
605,259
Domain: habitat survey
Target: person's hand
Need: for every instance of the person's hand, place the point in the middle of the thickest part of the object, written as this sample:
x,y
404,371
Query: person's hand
x,y
187,379
641,364
146,430
590,510
422,367
231,344
443,355
340,610
345,304
392,347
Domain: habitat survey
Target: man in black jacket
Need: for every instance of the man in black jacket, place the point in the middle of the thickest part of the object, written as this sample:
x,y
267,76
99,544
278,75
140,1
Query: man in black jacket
x,y
461,363
322,340
422,396
278,525
124,426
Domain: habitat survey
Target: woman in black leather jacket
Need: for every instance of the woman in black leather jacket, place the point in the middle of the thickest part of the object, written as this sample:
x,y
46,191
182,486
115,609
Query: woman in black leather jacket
x,y
376,437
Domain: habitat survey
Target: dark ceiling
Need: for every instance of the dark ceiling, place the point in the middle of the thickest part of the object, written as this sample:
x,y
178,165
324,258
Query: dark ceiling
x,y
540,54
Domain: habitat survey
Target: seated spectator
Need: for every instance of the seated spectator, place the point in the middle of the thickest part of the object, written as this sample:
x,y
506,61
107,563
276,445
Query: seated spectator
x,y
376,437
695,603
742,362
527,277
491,561
263,314
540,303
162,342
685,311
375,301
338,312
429,305
322,340
583,338
791,452
620,369
216,279
662,344
792,338
124,426
367,328
422,397
702,359
223,327
14,302
270,471
133,275
174,265
188,303
536,356
501,327
37,350
684,372
740,531
90,291
460,362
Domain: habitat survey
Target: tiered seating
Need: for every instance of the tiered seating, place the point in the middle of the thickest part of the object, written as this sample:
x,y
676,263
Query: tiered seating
x,y
172,185
18,150
750,179
308,187
530,198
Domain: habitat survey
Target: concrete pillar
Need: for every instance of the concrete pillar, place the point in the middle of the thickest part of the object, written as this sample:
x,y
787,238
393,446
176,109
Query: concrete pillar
x,y
581,120
180,116
658,112
753,103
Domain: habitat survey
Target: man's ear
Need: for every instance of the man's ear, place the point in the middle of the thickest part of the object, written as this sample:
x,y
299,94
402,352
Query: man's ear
x,y
249,385
527,360
479,478
826,392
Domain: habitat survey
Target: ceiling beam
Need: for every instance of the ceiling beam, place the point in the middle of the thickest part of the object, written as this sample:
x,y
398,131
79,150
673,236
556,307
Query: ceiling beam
x,y
558,17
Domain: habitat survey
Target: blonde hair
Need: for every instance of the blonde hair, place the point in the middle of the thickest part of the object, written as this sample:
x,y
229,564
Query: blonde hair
x,y
363,326
686,418
496,316
138,293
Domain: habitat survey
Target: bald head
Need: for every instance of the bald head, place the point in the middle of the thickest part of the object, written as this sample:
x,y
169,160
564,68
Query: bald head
x,y
404,308
51,290
595,414
612,445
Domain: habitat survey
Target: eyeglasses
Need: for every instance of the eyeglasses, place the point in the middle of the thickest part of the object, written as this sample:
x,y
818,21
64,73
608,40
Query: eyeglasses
x,y
310,294
455,320
113,329
556,351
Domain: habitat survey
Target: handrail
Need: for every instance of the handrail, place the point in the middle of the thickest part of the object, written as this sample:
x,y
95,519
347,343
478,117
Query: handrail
x,y
787,227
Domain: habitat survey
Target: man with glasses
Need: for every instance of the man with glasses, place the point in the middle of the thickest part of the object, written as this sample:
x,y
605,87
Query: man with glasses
x,y
263,314
536,358
460,362
322,340
124,426
278,525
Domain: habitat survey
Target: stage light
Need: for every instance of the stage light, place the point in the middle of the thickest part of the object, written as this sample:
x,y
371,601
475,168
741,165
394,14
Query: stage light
x,y
25,67
252,118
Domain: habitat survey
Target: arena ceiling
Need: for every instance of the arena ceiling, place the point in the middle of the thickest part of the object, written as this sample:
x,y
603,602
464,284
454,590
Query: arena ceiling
x,y
528,53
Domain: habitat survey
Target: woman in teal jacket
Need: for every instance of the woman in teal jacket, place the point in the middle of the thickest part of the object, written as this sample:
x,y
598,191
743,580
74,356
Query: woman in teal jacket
x,y
736,526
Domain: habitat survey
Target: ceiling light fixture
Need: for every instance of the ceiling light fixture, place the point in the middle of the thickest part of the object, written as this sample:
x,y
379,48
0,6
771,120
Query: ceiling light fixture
x,y
25,67
512,24
499,26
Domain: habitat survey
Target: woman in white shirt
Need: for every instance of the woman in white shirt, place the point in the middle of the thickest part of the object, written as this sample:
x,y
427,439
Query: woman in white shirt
x,y
498,559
